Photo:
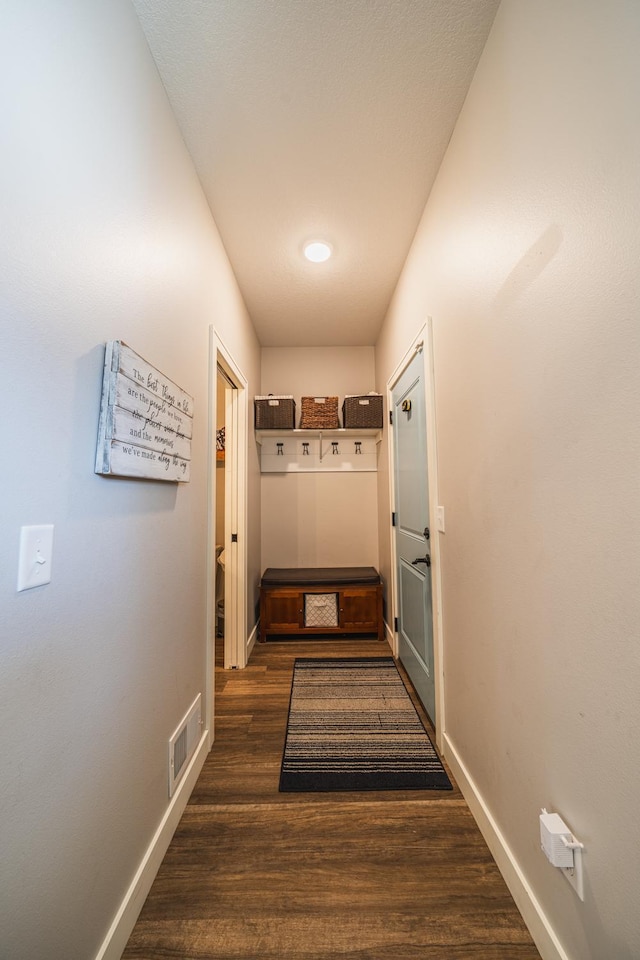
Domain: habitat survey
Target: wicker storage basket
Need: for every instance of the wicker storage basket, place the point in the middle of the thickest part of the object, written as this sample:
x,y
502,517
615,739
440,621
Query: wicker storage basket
x,y
363,411
319,413
275,413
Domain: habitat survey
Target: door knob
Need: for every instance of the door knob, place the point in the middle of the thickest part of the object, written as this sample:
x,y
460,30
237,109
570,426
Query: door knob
x,y
418,560
426,533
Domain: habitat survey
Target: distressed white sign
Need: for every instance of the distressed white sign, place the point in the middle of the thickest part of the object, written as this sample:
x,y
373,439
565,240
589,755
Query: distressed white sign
x,y
145,424
147,406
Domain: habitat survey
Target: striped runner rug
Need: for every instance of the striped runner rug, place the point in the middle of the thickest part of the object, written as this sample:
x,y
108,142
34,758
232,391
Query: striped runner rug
x,y
352,726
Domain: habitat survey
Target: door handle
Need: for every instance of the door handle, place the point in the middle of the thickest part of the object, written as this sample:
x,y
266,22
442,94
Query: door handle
x,y
426,533
418,560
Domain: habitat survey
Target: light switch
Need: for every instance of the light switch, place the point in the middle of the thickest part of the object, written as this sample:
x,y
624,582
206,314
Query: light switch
x,y
36,555
440,518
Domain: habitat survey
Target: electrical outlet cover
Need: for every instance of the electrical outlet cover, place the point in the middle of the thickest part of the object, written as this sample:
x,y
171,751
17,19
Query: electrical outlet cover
x,y
574,874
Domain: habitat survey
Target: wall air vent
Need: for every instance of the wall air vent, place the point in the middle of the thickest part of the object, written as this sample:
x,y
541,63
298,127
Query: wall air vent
x,y
183,743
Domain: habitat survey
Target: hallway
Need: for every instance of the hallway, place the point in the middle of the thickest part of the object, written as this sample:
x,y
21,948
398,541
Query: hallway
x,y
521,263
255,874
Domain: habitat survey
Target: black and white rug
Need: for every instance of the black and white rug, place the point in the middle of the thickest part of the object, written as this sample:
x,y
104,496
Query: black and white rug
x,y
352,726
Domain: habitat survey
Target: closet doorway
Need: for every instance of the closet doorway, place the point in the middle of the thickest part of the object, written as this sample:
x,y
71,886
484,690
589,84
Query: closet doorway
x,y
226,586
224,436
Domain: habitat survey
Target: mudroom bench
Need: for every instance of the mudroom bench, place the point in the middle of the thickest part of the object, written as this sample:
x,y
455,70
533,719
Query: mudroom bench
x,y
320,601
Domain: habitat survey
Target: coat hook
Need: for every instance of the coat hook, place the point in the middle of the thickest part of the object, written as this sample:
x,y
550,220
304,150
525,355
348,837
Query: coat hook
x,y
334,446
305,448
280,447
358,444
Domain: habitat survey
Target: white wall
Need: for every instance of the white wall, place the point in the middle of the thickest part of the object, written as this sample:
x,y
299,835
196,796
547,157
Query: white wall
x,y
527,259
319,519
105,234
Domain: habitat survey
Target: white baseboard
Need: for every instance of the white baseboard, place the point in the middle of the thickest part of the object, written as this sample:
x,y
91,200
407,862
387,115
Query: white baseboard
x,y
391,638
124,921
533,915
251,642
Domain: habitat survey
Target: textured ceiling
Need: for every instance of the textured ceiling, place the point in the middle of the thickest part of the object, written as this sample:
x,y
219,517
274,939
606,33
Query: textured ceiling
x,y
324,119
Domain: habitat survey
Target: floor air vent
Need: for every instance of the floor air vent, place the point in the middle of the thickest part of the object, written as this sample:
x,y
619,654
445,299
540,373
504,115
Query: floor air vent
x,y
184,742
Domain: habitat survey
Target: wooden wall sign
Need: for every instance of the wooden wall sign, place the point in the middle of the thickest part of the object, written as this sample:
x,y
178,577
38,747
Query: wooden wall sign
x,y
145,420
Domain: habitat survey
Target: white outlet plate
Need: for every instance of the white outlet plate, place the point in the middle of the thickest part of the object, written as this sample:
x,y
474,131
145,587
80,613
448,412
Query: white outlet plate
x,y
35,558
574,874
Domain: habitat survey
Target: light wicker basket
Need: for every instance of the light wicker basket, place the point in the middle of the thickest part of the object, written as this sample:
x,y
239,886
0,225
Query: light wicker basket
x,y
319,413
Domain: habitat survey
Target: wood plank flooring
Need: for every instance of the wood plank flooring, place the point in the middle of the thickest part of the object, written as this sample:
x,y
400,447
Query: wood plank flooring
x,y
252,874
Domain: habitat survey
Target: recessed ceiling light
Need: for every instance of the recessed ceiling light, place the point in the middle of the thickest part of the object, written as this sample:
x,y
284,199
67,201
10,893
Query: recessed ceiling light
x,y
317,251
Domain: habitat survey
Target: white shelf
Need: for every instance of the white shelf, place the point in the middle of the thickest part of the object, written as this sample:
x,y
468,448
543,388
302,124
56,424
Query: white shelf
x,y
364,432
312,451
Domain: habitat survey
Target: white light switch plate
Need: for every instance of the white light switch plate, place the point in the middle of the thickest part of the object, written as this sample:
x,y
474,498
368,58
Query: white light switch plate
x,y
440,518
36,555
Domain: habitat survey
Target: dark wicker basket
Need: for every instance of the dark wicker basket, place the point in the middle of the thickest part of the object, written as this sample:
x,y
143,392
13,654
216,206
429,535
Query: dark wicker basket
x,y
319,413
275,413
365,411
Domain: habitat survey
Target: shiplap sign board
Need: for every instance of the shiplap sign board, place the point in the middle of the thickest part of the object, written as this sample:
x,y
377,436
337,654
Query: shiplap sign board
x,y
146,420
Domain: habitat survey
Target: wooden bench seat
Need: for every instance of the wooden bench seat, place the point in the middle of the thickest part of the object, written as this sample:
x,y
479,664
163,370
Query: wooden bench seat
x,y
353,593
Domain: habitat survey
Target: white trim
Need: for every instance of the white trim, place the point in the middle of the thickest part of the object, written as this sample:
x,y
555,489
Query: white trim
x,y
124,921
232,634
251,642
423,342
236,554
538,923
236,505
391,638
211,561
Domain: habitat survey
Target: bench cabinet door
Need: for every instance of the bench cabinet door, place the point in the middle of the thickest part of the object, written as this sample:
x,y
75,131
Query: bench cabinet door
x,y
284,610
359,609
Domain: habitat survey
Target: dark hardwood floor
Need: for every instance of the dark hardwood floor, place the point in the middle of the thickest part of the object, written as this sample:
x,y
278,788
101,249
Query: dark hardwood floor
x,y
254,874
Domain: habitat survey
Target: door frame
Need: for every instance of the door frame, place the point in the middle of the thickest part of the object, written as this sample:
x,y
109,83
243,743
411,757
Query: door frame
x,y
236,505
422,343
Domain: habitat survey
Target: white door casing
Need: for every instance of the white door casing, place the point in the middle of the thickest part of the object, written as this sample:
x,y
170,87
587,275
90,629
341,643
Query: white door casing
x,y
235,572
